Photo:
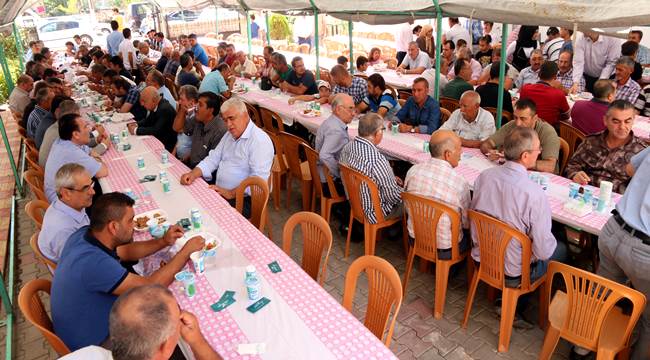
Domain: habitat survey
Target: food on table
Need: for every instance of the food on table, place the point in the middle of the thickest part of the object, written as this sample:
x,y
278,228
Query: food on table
x,y
141,222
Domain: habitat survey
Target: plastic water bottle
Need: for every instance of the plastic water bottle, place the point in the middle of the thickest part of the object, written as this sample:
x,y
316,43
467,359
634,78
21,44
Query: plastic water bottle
x,y
252,283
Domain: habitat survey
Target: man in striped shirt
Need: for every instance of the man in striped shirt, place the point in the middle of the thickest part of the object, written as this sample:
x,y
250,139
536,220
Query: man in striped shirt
x,y
362,155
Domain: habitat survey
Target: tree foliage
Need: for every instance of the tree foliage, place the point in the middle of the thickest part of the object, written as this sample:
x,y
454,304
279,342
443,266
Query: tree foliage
x,y
280,28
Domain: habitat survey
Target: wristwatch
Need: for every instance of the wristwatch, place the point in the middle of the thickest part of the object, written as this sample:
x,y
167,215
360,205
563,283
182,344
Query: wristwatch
x,y
412,130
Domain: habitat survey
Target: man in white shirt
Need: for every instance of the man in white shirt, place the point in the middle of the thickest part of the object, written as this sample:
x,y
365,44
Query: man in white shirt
x,y
456,32
243,64
403,39
127,50
553,44
470,122
594,56
417,61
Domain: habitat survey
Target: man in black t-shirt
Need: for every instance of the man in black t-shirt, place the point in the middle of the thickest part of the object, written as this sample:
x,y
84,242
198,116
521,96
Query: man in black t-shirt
x,y
300,81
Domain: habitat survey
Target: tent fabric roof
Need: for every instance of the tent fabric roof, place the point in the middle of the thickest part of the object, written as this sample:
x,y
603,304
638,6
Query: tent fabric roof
x,y
586,13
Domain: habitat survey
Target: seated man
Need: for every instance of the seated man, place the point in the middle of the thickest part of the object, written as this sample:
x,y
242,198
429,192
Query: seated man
x,y
142,60
470,122
117,65
456,87
187,75
127,99
421,112
380,100
300,81
415,62
551,102
206,127
282,69
198,50
244,65
437,179
74,190
151,315
188,97
506,193
465,54
603,156
510,76
626,88
71,147
245,151
530,74
525,115
332,136
490,90
587,115
41,112
362,155
166,53
323,95
362,64
565,74
157,80
159,122
215,81
19,98
90,274
348,84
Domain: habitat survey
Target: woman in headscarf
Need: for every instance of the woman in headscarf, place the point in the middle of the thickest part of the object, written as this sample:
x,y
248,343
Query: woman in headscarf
x,y
520,50
426,42
374,57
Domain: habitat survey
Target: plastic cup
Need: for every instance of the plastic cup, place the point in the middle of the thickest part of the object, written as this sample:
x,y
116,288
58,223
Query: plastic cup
x,y
198,260
189,284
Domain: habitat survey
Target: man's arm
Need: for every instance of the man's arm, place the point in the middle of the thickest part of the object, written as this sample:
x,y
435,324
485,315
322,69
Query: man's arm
x,y
179,119
543,242
297,90
141,249
470,143
191,333
546,165
102,172
332,145
613,54
487,145
158,126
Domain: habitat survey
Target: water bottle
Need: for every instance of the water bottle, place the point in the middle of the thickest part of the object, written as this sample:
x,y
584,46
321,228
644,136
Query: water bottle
x,y
195,216
252,283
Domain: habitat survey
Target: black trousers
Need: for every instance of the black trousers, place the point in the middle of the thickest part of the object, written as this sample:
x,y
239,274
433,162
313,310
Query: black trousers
x,y
589,82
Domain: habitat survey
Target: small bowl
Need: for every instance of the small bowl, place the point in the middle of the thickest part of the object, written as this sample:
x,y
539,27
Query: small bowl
x,y
157,230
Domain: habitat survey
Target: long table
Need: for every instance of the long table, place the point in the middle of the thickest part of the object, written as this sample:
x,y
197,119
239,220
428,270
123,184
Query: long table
x,y
302,321
409,147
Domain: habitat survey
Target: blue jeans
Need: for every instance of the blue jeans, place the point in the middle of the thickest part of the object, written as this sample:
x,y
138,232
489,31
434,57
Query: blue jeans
x,y
183,146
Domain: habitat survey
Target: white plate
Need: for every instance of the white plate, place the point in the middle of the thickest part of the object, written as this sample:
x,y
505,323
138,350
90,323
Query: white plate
x,y
209,238
311,114
150,215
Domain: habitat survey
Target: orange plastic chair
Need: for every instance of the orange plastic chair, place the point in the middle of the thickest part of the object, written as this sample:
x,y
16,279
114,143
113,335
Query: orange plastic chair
x,y
449,103
35,209
425,214
33,243
353,181
278,169
254,114
34,179
298,169
325,202
384,294
259,192
271,120
505,115
572,135
32,307
444,115
585,315
32,160
316,236
564,155
493,238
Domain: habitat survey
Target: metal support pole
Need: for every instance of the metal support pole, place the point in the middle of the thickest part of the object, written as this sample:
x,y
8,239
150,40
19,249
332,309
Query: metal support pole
x,y
5,70
10,155
268,29
248,30
19,47
316,39
502,73
436,91
7,293
351,46
216,19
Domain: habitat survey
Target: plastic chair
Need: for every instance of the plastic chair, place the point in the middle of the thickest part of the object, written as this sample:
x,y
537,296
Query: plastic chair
x,y
444,115
171,85
353,181
254,114
505,115
572,135
32,307
271,120
35,209
298,169
32,160
493,238
34,179
384,294
586,315
303,48
259,192
278,169
325,201
33,243
449,104
403,94
564,155
316,236
425,214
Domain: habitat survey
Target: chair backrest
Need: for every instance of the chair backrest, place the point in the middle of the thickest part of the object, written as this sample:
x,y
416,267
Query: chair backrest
x,y
312,160
354,183
444,115
505,115
32,160
30,304
35,209
403,94
589,300
279,152
384,294
493,239
572,135
303,48
271,120
425,214
565,152
34,179
449,103
259,192
254,114
33,243
291,145
169,83
325,75
316,237
393,91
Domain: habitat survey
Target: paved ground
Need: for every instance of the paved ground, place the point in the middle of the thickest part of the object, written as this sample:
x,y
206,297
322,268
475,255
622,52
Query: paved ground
x,y
417,334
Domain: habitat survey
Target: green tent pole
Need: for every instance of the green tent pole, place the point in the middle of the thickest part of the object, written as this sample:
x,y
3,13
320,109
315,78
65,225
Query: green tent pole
x,y
216,19
351,45
268,29
502,71
19,47
316,39
10,155
5,69
436,91
248,27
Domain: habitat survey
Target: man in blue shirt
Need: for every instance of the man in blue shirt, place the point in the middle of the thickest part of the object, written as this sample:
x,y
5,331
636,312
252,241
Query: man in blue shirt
x,y
255,29
71,147
41,112
215,82
199,53
114,39
90,274
300,81
157,80
421,112
380,100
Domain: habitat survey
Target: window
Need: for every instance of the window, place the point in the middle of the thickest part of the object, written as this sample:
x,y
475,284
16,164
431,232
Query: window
x,y
67,25
49,27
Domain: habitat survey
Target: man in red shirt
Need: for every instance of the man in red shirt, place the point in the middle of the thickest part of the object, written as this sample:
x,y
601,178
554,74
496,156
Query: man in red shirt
x,y
587,115
551,102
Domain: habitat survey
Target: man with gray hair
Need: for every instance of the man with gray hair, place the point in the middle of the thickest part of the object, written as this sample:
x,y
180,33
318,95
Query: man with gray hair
x,y
282,69
626,88
146,323
362,155
157,80
438,180
332,136
19,98
471,122
415,62
530,75
159,121
243,65
244,152
41,112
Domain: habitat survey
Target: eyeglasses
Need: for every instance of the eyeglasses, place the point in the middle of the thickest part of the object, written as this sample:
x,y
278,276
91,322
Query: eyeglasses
x,y
84,188
534,150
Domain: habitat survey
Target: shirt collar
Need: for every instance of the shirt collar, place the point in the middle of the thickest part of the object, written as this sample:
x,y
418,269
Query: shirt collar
x,y
340,123
596,100
249,130
21,90
92,240
440,162
627,83
77,216
568,73
515,166
364,141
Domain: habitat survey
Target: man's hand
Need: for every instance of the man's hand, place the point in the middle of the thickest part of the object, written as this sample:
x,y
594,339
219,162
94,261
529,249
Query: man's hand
x,y
292,101
173,233
581,178
100,129
399,181
190,330
226,194
194,244
404,128
131,127
494,155
574,88
187,178
284,86
400,70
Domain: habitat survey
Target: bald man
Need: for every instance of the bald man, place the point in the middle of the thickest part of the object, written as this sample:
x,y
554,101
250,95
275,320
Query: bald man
x,y
438,180
159,120
471,122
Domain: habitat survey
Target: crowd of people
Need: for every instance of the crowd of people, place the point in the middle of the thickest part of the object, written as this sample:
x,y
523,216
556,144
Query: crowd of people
x,y
173,95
